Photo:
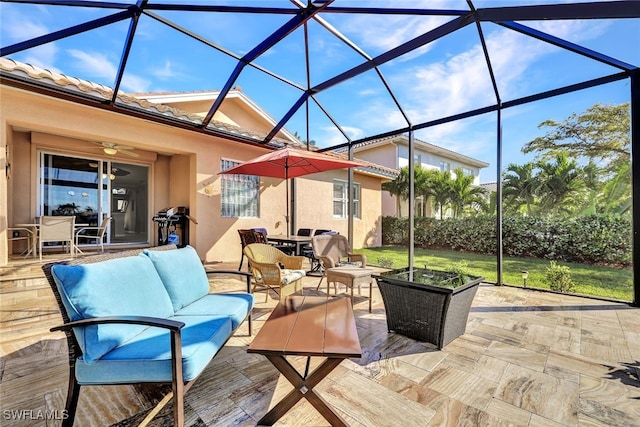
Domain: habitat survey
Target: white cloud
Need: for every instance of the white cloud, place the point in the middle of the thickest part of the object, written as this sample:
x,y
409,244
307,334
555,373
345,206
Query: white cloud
x,y
42,56
575,31
19,27
332,136
165,72
98,65
93,63
384,32
460,82
455,84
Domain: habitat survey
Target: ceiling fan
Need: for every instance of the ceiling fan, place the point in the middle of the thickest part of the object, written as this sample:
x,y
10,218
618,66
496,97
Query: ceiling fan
x,y
113,149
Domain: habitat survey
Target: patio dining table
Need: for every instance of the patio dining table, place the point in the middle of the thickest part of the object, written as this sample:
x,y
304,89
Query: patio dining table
x,y
298,241
35,227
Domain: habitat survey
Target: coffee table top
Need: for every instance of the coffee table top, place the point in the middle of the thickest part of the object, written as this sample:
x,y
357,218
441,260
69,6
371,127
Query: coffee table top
x,y
309,326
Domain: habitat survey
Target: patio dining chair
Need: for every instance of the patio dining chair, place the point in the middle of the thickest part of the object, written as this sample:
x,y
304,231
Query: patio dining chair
x,y
16,234
248,236
93,233
56,229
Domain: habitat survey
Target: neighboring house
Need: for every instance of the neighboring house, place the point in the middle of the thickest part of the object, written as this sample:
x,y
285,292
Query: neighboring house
x,y
95,162
393,152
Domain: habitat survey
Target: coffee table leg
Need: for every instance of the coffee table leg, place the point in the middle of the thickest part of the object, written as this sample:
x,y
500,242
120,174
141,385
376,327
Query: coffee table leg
x,y
302,388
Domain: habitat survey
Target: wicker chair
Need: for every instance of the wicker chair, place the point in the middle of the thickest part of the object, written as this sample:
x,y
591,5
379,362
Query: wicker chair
x,y
265,262
307,251
333,250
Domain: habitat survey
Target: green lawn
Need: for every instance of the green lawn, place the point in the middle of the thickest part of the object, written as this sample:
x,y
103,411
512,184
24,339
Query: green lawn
x,y
606,282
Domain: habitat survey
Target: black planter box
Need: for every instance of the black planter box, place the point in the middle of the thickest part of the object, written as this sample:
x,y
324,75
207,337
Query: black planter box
x,y
425,305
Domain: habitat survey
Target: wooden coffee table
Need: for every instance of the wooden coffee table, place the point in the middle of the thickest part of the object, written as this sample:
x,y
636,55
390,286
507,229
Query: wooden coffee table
x,y
307,326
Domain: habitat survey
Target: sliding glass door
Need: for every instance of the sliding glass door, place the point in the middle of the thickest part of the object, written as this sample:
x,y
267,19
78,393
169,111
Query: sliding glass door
x,y
91,189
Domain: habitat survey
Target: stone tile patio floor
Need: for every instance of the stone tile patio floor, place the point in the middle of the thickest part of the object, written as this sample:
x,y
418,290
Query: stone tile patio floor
x,y
528,358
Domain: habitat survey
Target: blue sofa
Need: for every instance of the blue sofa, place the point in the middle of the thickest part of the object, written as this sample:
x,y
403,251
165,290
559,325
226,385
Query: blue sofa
x,y
141,317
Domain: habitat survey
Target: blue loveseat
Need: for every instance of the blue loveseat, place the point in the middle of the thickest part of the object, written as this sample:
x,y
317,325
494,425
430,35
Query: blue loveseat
x,y
141,317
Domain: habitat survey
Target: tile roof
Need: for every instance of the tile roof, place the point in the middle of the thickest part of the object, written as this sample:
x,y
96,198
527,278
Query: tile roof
x,y
429,147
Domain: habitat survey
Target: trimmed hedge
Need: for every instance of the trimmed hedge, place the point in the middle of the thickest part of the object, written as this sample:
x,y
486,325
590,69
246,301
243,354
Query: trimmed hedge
x,y
592,239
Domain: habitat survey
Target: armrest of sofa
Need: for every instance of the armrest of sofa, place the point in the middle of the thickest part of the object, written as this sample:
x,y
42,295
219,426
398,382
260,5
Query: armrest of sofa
x,y
246,275
172,325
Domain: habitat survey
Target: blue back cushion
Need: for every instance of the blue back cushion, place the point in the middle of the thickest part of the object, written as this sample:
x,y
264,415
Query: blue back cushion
x,y
182,274
120,287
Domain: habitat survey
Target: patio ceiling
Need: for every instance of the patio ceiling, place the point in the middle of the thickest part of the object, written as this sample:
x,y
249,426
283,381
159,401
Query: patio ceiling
x,y
337,72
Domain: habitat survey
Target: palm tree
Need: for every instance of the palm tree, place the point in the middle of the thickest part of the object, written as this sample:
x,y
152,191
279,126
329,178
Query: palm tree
x,y
464,193
616,193
399,187
441,190
422,184
519,186
561,184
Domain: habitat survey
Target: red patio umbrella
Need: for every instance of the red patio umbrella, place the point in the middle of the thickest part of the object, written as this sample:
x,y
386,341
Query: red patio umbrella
x,y
288,163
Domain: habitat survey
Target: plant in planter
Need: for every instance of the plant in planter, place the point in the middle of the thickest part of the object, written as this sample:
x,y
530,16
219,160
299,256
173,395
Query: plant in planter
x,y
428,305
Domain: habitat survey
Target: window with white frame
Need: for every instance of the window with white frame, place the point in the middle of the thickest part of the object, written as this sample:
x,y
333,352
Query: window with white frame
x,y
341,199
445,166
239,194
467,172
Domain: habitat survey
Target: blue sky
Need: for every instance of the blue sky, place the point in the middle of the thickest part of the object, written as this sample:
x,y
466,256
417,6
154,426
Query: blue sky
x,y
445,77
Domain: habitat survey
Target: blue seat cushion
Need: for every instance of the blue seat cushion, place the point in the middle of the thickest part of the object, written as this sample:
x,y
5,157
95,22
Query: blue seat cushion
x,y
147,356
120,287
182,274
236,306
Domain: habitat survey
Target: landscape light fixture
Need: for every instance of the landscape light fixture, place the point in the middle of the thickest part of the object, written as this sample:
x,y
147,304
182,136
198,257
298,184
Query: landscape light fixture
x,y
525,275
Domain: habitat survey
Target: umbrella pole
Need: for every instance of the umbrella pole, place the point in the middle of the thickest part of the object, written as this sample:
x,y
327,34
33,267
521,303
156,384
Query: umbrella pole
x,y
286,188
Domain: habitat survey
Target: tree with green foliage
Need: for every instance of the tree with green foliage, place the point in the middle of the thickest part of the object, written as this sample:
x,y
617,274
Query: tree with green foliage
x,y
602,134
463,193
399,188
441,189
561,185
310,142
615,197
601,137
519,187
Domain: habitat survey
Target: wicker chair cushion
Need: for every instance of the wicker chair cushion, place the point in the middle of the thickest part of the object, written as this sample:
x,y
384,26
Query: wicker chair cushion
x,y
147,356
235,306
182,274
290,276
119,287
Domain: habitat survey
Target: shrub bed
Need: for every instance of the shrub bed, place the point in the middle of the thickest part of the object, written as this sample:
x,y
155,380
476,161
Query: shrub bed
x,y
592,239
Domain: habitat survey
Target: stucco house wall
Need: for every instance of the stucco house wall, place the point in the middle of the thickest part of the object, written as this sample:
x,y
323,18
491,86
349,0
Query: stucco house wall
x,y
184,169
394,153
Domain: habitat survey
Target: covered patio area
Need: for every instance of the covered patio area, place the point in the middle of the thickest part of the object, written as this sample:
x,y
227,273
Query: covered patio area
x,y
528,358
